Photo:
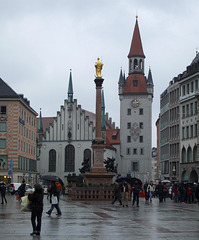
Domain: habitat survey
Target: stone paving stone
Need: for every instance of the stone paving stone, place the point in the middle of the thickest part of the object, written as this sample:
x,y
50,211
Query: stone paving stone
x,y
103,221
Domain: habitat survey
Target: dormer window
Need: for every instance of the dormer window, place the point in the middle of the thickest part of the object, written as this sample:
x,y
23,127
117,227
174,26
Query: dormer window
x,y
135,82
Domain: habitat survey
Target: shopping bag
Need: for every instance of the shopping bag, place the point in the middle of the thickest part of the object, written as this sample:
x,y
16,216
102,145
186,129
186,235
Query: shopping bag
x,y
25,204
54,199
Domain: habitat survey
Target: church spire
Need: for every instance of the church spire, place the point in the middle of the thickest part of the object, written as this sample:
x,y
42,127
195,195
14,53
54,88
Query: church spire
x,y
136,55
136,49
40,124
70,88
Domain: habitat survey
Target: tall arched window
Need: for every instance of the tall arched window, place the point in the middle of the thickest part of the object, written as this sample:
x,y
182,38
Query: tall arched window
x,y
69,158
87,155
183,155
130,64
141,64
135,64
195,153
189,154
52,160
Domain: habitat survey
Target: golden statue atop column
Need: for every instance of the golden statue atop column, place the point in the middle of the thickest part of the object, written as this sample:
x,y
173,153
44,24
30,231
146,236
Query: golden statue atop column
x,y
98,66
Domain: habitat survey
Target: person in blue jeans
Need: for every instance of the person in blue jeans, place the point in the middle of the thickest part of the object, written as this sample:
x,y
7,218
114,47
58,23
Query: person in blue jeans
x,y
54,191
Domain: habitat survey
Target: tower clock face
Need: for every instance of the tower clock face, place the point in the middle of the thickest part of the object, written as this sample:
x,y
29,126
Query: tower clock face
x,y
135,103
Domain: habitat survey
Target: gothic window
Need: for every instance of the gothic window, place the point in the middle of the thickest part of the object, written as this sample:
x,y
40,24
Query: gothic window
x,y
183,155
141,64
52,160
69,158
87,155
128,111
135,64
130,65
189,154
195,154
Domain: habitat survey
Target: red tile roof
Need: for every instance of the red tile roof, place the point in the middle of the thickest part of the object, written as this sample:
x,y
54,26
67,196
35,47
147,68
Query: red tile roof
x,y
112,137
141,84
136,44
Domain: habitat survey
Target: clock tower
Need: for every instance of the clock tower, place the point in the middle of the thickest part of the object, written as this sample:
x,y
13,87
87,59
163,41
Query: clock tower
x,y
136,96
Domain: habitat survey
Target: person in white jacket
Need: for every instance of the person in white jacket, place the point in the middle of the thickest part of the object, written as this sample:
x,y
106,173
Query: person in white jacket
x,y
151,189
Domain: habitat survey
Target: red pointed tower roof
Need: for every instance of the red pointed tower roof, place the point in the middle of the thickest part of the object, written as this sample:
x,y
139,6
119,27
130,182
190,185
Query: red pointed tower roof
x,y
136,44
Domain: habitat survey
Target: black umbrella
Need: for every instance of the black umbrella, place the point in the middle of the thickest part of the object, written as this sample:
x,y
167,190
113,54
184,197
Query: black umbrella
x,y
121,178
52,178
134,181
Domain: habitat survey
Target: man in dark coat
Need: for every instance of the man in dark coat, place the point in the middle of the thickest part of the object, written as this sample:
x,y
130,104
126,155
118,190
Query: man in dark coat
x,y
136,192
117,194
3,192
160,192
22,189
36,199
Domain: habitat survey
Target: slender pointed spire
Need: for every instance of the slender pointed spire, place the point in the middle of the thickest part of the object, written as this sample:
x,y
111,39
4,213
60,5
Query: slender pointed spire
x,y
149,79
136,44
121,78
70,88
103,112
40,124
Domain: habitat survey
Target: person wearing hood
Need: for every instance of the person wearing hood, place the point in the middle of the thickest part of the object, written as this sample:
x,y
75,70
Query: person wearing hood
x,y
36,199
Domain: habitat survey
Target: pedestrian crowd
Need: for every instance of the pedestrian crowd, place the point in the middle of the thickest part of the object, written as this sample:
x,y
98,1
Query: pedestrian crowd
x,y
178,192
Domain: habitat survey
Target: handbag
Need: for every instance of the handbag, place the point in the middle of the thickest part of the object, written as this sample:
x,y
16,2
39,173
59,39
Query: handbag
x,y
54,199
25,204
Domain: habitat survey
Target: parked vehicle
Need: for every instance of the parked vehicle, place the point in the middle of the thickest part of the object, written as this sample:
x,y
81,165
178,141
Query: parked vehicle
x,y
13,187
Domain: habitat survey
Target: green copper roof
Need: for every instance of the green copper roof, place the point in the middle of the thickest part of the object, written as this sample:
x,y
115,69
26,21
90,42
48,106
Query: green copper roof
x,y
40,124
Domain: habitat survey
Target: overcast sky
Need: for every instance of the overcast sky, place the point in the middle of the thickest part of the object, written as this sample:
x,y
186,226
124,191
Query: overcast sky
x,y
41,40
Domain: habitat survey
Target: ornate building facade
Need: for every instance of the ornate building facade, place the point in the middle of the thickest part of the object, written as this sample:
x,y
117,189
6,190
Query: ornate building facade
x,y
136,96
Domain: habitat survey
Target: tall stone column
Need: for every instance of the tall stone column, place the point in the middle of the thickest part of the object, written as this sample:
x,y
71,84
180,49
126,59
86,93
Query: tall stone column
x,y
98,135
98,174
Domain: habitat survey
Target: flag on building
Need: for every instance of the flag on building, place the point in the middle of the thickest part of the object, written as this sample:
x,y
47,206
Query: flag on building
x,y
10,168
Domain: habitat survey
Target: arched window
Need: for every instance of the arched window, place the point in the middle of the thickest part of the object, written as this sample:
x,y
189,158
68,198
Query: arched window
x,y
130,65
141,64
135,64
69,158
189,154
52,160
183,155
87,155
195,153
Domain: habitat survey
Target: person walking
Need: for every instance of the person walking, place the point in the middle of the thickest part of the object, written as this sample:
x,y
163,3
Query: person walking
x,y
125,193
151,189
146,191
54,194
36,199
3,192
22,189
117,194
136,192
160,192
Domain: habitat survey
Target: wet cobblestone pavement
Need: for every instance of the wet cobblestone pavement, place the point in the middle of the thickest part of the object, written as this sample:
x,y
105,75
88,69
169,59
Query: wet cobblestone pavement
x,y
103,221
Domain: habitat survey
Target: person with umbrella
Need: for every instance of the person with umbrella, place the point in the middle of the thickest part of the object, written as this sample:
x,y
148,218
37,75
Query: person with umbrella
x,y
54,199
125,192
136,192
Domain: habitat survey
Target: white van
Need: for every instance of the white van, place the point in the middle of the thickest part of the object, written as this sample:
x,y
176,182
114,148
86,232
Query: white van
x,y
13,187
